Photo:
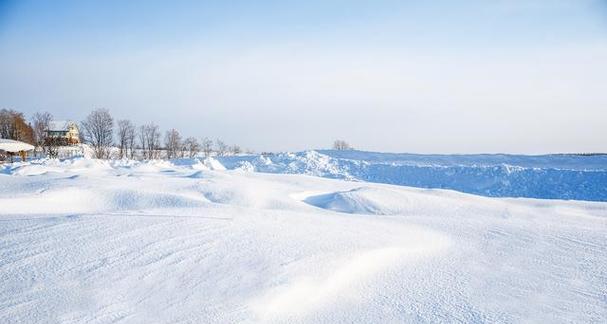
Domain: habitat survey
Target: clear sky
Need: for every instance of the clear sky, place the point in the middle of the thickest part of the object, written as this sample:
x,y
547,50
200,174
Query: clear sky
x,y
524,76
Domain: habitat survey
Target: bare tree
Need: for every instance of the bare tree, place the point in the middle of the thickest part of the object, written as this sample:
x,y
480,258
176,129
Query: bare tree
x,y
172,143
191,146
149,137
341,145
183,150
130,141
206,146
236,149
154,141
142,134
126,137
41,122
221,147
98,130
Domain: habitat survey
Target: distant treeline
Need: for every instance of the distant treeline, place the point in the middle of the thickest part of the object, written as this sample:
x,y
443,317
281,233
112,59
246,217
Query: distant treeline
x,y
117,139
111,139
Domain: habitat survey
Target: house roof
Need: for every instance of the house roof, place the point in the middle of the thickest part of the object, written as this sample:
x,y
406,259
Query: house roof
x,y
60,125
13,146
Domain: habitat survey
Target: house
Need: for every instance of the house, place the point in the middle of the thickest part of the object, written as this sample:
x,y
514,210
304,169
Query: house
x,y
9,148
65,131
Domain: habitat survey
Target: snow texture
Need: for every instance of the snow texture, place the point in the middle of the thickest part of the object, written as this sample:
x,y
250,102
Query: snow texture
x,y
13,146
87,241
565,176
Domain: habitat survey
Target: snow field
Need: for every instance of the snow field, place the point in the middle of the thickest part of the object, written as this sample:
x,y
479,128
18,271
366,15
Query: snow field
x,y
85,241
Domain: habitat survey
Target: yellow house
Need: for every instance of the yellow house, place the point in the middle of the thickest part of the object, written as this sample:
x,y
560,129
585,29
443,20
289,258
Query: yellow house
x,y
65,130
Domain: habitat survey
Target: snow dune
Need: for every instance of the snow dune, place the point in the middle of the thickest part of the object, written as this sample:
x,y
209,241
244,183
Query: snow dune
x,y
85,241
370,200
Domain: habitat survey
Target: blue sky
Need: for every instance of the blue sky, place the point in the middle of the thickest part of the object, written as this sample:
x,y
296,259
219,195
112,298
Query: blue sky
x,y
446,76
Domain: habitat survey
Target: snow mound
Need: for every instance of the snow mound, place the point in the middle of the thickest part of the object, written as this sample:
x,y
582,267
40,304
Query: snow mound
x,y
213,164
141,199
206,164
246,166
43,166
32,170
85,200
363,200
153,166
309,163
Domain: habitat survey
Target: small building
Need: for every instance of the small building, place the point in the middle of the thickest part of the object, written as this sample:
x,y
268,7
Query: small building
x,y
10,148
65,131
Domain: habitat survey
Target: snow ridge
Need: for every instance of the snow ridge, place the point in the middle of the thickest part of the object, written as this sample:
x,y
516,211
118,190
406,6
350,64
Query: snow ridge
x,y
548,177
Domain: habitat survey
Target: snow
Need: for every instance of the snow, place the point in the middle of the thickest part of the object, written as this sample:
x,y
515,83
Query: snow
x,y
363,200
562,176
13,146
88,241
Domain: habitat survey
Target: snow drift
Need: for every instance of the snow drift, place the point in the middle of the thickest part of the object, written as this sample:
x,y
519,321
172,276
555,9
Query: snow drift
x,y
363,200
577,177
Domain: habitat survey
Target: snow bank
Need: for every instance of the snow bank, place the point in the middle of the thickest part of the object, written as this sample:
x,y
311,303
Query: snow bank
x,y
308,163
43,166
570,177
574,177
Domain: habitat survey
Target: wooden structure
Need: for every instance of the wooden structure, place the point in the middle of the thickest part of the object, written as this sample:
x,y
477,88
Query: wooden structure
x,y
10,148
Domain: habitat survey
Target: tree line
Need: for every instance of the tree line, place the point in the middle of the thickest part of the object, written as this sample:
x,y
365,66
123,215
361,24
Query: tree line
x,y
99,131
120,139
